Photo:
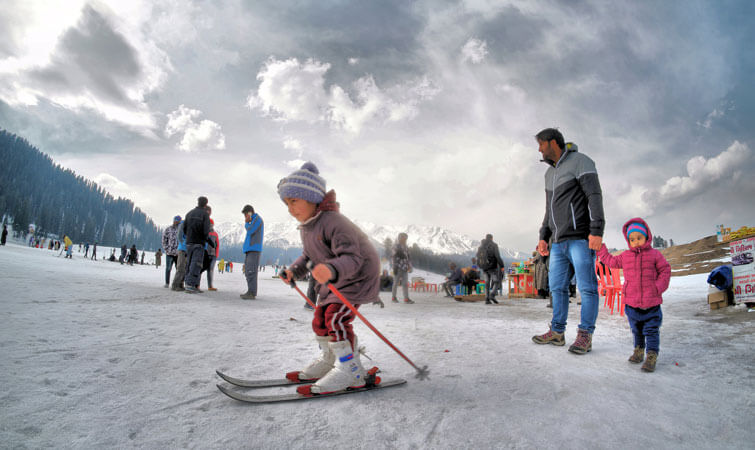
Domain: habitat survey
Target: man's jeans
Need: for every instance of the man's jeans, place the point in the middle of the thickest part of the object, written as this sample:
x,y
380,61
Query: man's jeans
x,y
170,261
577,253
251,265
194,263
492,282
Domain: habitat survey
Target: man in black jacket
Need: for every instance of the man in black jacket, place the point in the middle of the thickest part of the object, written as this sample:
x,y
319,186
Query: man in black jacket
x,y
574,220
197,230
489,260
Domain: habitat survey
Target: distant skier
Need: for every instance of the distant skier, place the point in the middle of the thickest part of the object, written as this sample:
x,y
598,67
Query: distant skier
x,y
86,249
342,255
122,258
158,258
94,252
646,275
4,236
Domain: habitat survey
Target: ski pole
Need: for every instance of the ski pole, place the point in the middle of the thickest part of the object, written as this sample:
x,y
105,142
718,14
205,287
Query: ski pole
x,y
422,373
293,286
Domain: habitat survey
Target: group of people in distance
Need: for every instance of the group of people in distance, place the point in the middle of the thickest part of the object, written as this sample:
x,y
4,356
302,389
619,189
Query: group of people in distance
x,y
192,245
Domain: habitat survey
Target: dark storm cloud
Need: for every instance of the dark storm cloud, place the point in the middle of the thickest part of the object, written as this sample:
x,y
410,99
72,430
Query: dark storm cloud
x,y
383,35
94,57
511,33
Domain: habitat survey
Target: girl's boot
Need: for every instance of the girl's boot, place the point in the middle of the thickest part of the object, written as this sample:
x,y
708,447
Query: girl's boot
x,y
637,356
320,366
650,361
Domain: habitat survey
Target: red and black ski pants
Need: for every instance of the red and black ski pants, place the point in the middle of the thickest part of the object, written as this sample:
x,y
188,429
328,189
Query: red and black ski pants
x,y
334,320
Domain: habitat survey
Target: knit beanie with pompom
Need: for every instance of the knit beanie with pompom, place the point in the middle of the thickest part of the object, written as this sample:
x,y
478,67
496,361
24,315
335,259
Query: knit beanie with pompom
x,y
305,183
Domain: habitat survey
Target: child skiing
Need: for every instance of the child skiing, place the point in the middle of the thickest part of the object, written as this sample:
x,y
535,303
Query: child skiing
x,y
646,277
341,254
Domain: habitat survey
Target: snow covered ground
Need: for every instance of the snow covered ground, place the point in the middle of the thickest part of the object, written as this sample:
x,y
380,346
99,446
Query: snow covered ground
x,y
99,355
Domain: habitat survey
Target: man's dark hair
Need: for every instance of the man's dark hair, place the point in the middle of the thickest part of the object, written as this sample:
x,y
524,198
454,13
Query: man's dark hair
x,y
489,237
551,134
202,201
246,209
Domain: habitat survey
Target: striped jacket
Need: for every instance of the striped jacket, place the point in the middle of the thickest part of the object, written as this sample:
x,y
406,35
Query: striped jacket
x,y
573,198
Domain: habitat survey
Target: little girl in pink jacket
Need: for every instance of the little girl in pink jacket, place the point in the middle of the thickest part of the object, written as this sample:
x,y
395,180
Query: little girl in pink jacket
x,y
646,277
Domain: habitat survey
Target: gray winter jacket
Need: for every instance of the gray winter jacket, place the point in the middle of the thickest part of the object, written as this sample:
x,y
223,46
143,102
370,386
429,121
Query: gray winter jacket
x,y
332,239
573,198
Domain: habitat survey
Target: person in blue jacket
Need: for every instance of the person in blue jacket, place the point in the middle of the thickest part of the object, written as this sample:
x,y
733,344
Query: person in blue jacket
x,y
255,229
178,279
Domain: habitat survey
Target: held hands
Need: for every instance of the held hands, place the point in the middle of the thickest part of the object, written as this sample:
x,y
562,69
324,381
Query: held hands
x,y
594,242
542,248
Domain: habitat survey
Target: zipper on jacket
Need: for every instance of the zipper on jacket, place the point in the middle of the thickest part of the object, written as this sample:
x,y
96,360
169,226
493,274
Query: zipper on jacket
x,y
553,195
573,219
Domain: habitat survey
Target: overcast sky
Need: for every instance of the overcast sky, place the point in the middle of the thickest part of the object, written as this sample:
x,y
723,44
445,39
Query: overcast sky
x,y
415,112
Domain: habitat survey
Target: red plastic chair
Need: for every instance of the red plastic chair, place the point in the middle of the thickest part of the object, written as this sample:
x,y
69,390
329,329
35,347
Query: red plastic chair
x,y
618,291
605,285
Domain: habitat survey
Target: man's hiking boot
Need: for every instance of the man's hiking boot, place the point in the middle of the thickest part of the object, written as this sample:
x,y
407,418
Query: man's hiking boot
x,y
248,296
637,356
408,301
551,337
583,343
394,300
650,361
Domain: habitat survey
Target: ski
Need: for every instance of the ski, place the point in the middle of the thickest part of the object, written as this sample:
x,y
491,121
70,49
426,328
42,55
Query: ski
x,y
260,383
295,396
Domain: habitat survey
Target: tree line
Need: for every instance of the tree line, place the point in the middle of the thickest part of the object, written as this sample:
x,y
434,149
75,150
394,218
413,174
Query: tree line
x,y
35,190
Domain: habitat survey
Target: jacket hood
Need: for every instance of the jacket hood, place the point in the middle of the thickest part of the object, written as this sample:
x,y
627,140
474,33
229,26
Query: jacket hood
x,y
648,243
568,148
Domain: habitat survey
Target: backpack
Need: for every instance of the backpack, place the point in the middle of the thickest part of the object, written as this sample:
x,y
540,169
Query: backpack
x,y
486,258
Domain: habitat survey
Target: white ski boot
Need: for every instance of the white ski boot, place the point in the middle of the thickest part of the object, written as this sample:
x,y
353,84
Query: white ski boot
x,y
347,371
319,367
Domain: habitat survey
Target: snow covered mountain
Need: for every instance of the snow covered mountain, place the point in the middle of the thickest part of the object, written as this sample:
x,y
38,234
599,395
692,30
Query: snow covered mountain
x,y
435,239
